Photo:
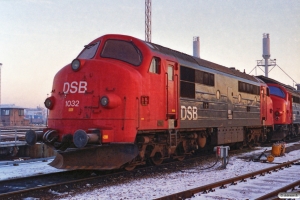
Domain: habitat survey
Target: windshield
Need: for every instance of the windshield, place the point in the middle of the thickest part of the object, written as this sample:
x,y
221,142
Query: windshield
x,y
122,50
276,91
89,51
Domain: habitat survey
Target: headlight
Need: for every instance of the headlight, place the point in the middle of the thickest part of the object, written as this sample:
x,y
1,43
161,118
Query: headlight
x,y
75,65
110,101
278,113
49,102
104,101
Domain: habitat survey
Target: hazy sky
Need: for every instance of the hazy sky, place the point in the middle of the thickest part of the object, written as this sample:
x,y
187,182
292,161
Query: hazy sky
x,y
38,37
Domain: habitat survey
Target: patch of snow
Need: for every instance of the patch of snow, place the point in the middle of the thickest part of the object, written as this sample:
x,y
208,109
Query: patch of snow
x,y
26,169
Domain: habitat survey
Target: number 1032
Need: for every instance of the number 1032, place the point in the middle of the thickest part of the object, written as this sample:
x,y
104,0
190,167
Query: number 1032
x,y
72,103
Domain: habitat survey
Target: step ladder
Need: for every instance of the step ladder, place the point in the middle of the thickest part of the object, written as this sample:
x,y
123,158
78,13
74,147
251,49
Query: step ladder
x,y
173,137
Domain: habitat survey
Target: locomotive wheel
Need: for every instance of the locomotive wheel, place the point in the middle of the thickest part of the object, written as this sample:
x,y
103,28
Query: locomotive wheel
x,y
180,158
130,167
157,159
180,152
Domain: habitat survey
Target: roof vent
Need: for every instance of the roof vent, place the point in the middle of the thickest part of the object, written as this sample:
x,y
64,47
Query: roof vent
x,y
298,87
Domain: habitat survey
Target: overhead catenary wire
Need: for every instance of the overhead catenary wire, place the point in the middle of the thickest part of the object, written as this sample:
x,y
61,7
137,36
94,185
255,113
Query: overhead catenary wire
x,y
272,69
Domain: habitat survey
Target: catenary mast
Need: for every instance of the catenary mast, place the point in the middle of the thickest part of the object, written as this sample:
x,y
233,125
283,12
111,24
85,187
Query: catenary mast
x,y
0,82
148,20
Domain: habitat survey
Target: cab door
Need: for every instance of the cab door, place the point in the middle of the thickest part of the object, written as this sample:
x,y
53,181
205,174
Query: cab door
x,y
172,90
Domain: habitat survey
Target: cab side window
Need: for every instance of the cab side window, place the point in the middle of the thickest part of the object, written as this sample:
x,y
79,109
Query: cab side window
x,y
170,73
155,65
268,92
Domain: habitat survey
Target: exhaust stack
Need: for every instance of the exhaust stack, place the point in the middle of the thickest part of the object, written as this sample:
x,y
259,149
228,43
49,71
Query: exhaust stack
x,y
196,46
266,52
298,87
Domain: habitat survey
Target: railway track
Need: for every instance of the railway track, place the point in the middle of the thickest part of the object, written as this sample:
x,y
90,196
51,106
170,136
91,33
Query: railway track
x,y
291,188
70,183
41,185
284,173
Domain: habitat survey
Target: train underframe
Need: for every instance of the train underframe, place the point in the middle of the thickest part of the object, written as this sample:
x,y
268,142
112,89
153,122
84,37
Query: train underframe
x,y
283,132
156,146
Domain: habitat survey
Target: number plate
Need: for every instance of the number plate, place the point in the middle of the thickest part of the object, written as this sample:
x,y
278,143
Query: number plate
x,y
72,103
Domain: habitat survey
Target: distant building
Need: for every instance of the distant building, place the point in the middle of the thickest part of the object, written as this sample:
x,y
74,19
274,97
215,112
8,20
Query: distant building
x,y
36,115
12,115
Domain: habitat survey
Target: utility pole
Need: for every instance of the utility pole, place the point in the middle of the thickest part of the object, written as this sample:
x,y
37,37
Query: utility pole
x,y
0,82
148,20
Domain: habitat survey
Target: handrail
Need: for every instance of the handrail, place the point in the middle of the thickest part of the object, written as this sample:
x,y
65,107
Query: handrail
x,y
167,95
138,113
124,113
177,96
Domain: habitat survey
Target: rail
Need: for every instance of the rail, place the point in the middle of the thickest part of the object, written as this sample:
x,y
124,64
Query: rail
x,y
275,193
210,187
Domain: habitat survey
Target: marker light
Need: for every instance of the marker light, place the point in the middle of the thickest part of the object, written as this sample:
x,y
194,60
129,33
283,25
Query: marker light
x,y
75,65
49,102
104,101
278,113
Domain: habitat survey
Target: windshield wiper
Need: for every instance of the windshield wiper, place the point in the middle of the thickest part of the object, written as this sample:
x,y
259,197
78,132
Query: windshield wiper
x,y
88,46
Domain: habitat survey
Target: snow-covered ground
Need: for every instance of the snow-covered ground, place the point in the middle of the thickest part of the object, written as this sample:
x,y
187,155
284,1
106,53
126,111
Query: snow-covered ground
x,y
159,185
26,169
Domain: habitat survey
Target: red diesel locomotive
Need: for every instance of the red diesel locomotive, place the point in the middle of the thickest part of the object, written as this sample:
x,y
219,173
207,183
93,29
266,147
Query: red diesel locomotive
x,y
286,109
123,102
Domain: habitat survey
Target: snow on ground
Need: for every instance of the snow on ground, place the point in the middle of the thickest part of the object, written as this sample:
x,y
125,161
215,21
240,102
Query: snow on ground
x,y
159,185
26,169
